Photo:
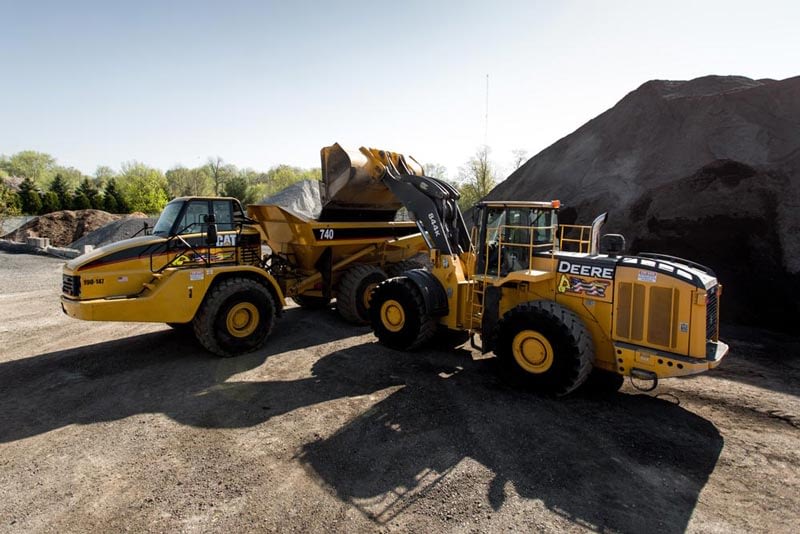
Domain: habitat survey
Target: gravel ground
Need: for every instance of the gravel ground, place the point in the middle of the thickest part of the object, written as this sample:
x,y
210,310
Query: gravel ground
x,y
113,427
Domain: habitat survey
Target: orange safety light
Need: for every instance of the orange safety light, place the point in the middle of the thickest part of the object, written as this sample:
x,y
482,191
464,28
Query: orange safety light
x,y
555,203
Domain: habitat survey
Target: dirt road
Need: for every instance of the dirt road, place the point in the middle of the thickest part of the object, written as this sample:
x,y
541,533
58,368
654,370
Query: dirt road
x,y
114,427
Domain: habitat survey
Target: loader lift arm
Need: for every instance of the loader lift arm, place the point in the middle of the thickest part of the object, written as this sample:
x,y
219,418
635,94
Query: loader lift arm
x,y
433,204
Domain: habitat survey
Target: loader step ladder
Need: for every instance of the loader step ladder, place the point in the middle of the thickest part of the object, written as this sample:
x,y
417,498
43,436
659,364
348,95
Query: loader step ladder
x,y
476,304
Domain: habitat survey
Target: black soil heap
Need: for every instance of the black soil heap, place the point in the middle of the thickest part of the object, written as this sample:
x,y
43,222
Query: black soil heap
x,y
707,169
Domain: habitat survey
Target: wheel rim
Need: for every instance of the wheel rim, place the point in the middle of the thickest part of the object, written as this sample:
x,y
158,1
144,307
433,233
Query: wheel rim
x,y
393,316
532,351
242,319
366,296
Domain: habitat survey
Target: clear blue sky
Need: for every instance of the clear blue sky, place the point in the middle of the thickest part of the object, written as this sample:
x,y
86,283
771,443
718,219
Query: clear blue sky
x,y
262,83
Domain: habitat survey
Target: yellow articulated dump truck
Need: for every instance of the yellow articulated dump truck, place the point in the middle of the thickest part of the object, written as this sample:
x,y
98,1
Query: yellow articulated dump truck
x,y
225,273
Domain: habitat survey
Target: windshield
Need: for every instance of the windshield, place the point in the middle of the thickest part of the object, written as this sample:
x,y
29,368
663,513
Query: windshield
x,y
167,218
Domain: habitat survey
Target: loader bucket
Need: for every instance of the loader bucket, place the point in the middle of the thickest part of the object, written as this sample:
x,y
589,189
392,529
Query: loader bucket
x,y
352,188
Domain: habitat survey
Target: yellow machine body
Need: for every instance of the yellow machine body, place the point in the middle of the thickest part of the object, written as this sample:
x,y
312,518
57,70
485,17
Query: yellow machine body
x,y
650,316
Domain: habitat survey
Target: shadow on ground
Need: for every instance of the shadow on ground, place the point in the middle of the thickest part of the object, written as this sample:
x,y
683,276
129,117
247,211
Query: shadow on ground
x,y
624,462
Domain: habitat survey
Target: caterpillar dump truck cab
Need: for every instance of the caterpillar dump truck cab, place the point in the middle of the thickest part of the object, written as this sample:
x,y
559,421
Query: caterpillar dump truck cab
x,y
209,266
543,297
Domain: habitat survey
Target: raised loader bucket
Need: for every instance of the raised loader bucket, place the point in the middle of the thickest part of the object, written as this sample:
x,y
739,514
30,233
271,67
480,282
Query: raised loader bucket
x,y
352,188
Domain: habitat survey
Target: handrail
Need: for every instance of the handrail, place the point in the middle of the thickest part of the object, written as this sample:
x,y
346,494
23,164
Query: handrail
x,y
205,257
583,240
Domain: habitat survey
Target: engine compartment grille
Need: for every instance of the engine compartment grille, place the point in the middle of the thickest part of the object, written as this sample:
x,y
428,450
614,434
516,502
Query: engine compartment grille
x,y
712,314
71,285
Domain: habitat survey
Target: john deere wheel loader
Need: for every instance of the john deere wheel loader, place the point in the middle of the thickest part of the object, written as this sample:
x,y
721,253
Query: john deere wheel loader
x,y
553,316
202,267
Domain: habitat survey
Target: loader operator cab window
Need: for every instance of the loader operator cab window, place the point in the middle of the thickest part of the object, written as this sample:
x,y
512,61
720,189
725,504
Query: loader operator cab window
x,y
512,235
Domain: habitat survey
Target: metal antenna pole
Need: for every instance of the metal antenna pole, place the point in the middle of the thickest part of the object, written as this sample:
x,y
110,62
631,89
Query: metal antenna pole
x,y
486,116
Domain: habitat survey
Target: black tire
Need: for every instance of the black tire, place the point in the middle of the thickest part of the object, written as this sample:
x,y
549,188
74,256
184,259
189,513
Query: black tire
x,y
396,269
234,303
355,289
310,302
560,355
399,297
602,382
180,327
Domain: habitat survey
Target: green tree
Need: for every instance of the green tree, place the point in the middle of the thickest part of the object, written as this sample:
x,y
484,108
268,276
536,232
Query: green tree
x,y
10,203
32,203
143,188
88,189
219,172
81,202
61,189
282,176
477,178
29,196
241,187
189,182
50,203
71,176
113,201
37,166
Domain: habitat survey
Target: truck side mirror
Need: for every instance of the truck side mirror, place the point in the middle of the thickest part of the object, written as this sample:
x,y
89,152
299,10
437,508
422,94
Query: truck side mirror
x,y
211,229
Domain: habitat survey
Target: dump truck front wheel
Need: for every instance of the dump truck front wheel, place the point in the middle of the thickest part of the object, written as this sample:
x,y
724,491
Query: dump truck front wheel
x,y
355,290
545,347
398,315
236,317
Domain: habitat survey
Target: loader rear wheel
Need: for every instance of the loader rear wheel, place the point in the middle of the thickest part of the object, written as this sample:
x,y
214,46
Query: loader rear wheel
x,y
236,317
398,315
311,302
355,291
396,269
545,347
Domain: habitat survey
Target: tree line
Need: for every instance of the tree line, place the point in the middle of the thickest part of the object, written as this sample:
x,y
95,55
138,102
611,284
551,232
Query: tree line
x,y
33,183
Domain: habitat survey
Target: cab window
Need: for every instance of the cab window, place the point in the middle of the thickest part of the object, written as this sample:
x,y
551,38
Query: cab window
x,y
223,211
194,217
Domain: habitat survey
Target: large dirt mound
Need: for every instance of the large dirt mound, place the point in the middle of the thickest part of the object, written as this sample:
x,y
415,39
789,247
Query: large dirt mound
x,y
62,227
302,198
115,231
708,169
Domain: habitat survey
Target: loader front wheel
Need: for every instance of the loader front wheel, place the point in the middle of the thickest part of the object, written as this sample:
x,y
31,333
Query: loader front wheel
x,y
545,347
237,317
398,315
355,292
397,269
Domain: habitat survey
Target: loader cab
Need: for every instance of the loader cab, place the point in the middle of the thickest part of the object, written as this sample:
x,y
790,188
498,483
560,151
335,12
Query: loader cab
x,y
510,235
191,215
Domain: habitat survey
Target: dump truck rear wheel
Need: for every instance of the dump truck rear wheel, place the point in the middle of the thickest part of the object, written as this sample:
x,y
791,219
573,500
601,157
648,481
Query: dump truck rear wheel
x,y
398,315
236,317
311,302
355,291
545,347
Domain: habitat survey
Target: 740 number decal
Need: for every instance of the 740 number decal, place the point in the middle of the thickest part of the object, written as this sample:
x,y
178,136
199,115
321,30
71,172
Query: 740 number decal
x,y
325,233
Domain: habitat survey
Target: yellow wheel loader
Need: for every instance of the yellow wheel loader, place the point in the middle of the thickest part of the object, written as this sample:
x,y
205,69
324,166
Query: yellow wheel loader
x,y
209,266
558,305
